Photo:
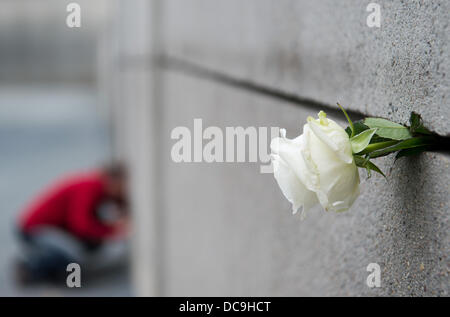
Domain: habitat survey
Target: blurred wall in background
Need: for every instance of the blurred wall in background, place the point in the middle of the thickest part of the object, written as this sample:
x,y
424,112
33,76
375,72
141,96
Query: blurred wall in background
x,y
54,117
225,229
36,44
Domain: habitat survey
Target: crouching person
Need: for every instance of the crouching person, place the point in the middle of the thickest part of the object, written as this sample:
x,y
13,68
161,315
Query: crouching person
x,y
70,219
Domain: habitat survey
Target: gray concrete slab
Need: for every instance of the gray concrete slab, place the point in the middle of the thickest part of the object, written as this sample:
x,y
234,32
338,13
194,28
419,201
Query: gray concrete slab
x,y
324,50
226,229
229,231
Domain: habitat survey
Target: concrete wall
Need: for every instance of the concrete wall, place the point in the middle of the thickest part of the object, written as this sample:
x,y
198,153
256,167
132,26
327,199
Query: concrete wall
x,y
132,84
324,50
37,45
224,228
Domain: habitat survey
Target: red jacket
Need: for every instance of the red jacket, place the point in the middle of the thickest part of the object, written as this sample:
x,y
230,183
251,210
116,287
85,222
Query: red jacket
x,y
70,204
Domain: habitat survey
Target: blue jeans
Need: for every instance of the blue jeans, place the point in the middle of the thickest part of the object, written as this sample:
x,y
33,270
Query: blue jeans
x,y
48,252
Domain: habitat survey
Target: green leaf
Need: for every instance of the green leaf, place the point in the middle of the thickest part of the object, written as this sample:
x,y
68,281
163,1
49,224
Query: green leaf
x,y
379,139
416,124
360,161
352,128
379,145
365,163
358,127
406,144
369,173
388,129
349,131
361,141
414,121
375,168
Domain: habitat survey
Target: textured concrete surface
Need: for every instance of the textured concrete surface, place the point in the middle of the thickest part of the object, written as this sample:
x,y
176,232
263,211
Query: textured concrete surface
x,y
45,132
225,229
229,231
325,51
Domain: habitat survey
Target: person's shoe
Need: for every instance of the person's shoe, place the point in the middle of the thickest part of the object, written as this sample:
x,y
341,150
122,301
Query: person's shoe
x,y
22,274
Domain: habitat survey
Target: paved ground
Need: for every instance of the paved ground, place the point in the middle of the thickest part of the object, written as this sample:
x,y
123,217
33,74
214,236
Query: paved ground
x,y
44,132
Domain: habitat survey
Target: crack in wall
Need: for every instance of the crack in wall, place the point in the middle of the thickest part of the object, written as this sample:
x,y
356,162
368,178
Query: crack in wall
x,y
171,63
196,70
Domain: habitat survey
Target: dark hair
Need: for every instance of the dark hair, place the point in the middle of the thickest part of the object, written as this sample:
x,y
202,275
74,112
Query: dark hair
x,y
116,170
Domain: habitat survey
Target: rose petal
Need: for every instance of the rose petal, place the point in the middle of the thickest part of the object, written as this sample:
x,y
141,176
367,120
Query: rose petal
x,y
339,181
335,137
291,186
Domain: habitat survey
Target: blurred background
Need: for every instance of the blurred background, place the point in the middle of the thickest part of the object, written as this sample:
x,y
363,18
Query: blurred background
x,y
115,88
53,119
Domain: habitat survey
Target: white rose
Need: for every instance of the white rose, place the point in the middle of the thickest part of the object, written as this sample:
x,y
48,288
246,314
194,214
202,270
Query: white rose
x,y
317,166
